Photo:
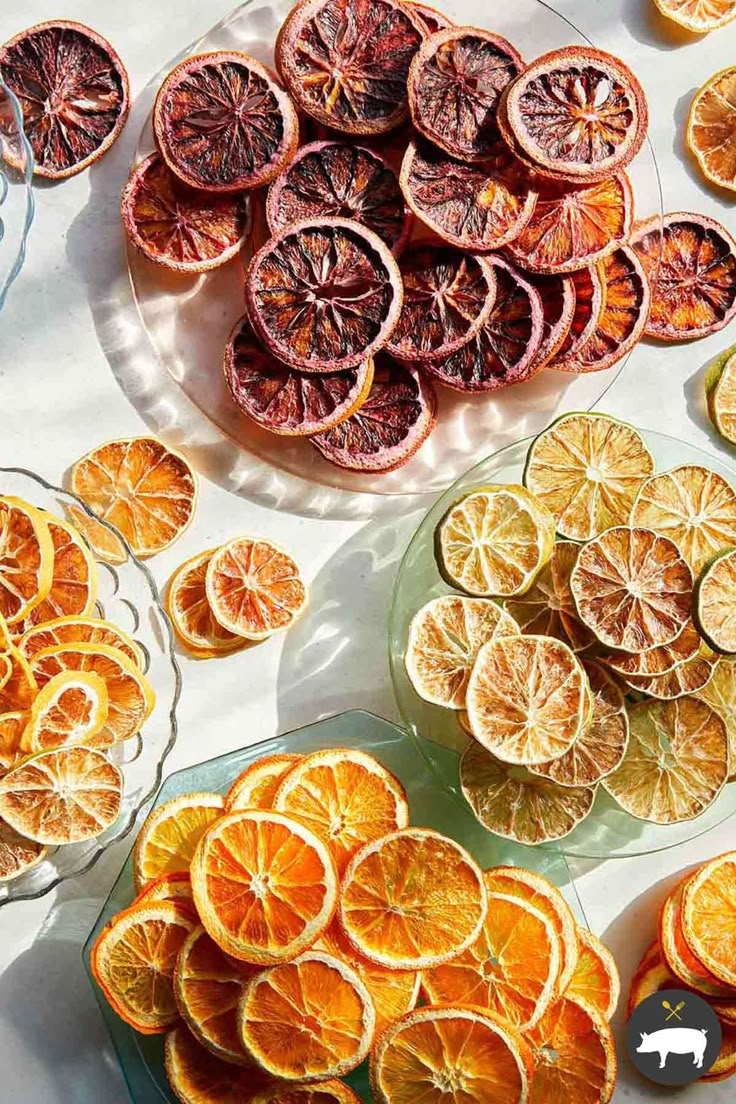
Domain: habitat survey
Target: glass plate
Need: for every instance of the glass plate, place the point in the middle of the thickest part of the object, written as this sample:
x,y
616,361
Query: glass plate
x,y
187,319
128,597
608,832
16,194
432,806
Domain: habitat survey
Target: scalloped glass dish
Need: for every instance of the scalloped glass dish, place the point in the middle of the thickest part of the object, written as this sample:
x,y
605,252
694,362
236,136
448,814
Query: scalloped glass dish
x,y
187,319
608,832
129,599
16,194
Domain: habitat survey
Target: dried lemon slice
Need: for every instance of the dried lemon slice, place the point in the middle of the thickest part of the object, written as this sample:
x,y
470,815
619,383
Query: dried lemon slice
x,y
698,16
547,608
715,603
720,392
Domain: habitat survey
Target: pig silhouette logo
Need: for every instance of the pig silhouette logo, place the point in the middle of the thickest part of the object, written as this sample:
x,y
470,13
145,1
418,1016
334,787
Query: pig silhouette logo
x,y
675,1040
673,1037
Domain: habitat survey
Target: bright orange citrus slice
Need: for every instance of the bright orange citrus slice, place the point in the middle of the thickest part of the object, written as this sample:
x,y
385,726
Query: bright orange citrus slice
x,y
596,979
709,916
254,588
170,833
12,726
191,614
547,608
257,785
140,486
699,16
17,854
170,887
326,1092
71,708
412,900
574,1055
26,559
197,1076
18,687
78,630
686,967
720,694
307,1020
104,542
711,125
73,589
715,603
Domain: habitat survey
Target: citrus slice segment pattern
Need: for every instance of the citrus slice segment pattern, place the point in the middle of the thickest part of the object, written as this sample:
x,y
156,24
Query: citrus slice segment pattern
x,y
71,708
191,614
711,125
254,588
714,603
596,979
699,16
78,630
73,589
574,1056
26,559
197,1076
17,854
169,835
256,787
547,608
720,694
720,393
686,967
709,916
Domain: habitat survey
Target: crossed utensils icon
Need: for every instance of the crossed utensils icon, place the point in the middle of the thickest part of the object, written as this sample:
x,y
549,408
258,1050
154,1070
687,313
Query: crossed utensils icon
x,y
673,1011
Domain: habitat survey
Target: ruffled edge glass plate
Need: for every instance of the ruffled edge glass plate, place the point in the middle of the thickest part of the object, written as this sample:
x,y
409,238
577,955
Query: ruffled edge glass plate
x,y
16,193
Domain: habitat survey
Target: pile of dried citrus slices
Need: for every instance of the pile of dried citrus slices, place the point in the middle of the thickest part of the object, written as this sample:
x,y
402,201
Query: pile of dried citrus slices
x,y
696,949
289,931
590,639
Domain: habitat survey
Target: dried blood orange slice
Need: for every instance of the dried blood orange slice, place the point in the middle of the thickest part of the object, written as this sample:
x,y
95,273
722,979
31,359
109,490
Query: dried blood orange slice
x,y
558,311
346,62
390,426
433,19
455,82
590,297
711,126
690,261
26,559
253,588
340,180
177,227
475,207
190,613
720,393
654,661
547,608
574,1055
324,295
170,834
17,854
596,979
577,112
284,400
74,92
257,785
699,16
573,228
197,1076
709,916
715,604
223,123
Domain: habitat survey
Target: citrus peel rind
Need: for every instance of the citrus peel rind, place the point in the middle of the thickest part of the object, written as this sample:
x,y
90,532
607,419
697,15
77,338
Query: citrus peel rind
x,y
169,836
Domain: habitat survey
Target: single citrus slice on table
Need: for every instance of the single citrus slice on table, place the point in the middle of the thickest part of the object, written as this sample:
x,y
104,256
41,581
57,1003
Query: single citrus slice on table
x,y
257,785
558,311
590,299
26,559
325,1092
78,630
574,1055
711,125
699,16
720,393
720,694
596,980
709,916
169,835
12,726
547,608
686,967
715,603
654,661
170,887
71,708
73,589
254,588
191,614
17,854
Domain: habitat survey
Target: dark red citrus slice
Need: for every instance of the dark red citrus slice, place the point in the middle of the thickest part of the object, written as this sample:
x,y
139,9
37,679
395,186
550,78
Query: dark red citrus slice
x,y
223,122
590,297
455,82
283,400
558,310
475,207
346,62
324,295
337,180
448,296
504,350
623,318
691,264
578,113
73,89
572,228
176,226
432,19
396,418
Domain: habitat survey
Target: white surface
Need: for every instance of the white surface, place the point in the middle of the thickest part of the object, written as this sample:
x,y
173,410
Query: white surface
x,y
61,396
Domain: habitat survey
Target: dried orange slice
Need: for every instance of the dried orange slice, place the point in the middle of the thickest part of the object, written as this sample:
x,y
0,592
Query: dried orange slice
x,y
256,786
440,1054
494,541
678,956
709,916
145,489
71,708
78,630
725,1064
169,835
720,393
676,762
689,677
346,797
307,1020
715,602
720,694
26,559
651,975
18,686
587,470
654,661
12,726
547,609
527,699
73,590
596,979
17,854
254,588
590,298
170,887
265,886
574,1055
325,1092
62,796
197,1076
133,961
191,614
699,16
104,542
444,639
711,124
411,923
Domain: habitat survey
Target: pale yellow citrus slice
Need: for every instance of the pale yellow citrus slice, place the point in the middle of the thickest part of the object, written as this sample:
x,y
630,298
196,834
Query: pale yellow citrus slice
x,y
547,608
574,1055
654,661
71,708
26,559
197,1076
686,967
720,385
720,694
256,786
12,726
699,16
711,125
17,854
689,677
709,916
78,630
254,588
715,603
169,836
596,979
191,614
104,542
73,589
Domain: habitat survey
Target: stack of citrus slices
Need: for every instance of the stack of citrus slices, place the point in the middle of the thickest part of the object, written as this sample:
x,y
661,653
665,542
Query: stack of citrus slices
x,y
590,638
696,949
289,931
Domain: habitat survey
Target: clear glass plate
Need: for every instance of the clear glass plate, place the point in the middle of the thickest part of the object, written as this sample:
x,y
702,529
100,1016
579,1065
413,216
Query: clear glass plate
x,y
608,832
432,806
16,194
187,319
129,599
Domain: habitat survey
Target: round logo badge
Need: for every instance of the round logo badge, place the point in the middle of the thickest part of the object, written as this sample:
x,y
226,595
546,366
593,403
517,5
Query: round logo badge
x,y
673,1037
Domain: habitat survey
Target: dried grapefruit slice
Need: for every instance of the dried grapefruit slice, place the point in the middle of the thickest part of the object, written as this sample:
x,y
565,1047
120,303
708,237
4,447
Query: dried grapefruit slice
x,y
720,393
596,979
690,261
177,227
655,661
197,1076
73,590
547,609
254,588
574,1055
590,298
699,16
256,786
720,694
169,835
709,916
208,985
73,89
17,854
411,923
676,762
677,954
78,630
558,311
587,469
191,614
71,708
26,559
711,126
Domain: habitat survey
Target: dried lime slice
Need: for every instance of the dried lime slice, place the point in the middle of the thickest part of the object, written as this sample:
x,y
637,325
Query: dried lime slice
x,y
715,603
720,694
687,678
547,608
655,661
720,394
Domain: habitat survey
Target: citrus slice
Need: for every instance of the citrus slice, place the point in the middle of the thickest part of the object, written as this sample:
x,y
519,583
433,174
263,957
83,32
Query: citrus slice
x,y
169,835
632,588
394,421
596,980
527,699
587,470
208,985
590,298
720,694
725,1064
411,923
18,687
191,614
17,854
678,956
254,588
307,1020
147,490
515,804
699,16
73,89
689,677
133,961
651,975
12,726
694,507
345,797
170,887
26,559
720,393
71,708
494,541
62,796
690,261
558,311
547,609
440,1054
264,885
709,916
574,1055
433,19
655,661
73,590
512,968
178,228
675,764
444,639
197,1076
257,785
325,1092
711,125
104,541
78,630
715,603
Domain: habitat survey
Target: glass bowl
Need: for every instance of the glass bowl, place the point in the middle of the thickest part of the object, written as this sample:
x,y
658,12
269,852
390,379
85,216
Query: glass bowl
x,y
16,194
608,832
186,320
129,599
